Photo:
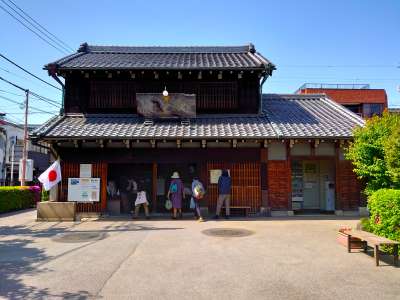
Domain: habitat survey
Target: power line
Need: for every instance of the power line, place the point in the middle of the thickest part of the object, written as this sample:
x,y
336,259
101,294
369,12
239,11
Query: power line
x,y
339,66
37,23
22,103
34,32
31,113
11,93
14,120
37,28
49,101
26,71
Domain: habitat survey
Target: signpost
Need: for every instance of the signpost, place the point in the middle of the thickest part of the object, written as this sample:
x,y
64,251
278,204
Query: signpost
x,y
84,189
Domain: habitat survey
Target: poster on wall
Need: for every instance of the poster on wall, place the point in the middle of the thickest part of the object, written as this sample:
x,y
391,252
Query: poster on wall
x,y
215,174
84,189
85,170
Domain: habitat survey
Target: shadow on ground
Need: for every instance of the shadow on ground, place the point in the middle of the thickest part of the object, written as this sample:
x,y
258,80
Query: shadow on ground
x,y
19,257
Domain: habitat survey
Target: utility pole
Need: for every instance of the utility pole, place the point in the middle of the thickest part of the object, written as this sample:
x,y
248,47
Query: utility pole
x,y
12,161
25,150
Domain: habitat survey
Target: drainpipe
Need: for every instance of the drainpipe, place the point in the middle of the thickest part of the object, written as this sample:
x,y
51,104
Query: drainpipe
x,y
52,71
265,76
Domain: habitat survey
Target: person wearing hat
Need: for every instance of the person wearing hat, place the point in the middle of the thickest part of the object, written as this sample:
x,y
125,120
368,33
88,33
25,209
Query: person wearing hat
x,y
175,194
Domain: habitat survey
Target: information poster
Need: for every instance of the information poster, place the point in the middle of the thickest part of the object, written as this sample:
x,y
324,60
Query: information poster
x,y
215,174
85,171
84,189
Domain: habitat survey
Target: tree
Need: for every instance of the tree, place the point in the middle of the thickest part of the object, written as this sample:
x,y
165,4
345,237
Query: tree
x,y
375,152
392,155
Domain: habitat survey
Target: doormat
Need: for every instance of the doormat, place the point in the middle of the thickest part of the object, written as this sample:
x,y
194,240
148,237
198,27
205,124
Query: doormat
x,y
227,232
79,237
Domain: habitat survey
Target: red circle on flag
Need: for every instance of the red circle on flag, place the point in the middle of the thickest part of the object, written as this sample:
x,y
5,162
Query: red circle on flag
x,y
52,175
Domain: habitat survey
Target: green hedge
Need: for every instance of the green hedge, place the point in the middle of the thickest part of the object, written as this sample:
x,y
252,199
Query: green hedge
x,y
17,197
384,208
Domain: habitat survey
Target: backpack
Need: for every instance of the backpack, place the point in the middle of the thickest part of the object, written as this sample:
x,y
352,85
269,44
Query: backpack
x,y
174,188
198,190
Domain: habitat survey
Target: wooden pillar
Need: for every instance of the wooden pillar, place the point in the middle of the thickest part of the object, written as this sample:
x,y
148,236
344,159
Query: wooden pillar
x,y
154,187
338,204
103,180
263,176
289,171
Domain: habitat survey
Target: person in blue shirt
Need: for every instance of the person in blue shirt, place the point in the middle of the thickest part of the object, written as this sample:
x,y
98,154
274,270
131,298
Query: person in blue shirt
x,y
224,194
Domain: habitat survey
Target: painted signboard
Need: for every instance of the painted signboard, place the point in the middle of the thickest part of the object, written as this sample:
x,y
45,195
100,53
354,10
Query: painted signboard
x,y
175,105
84,189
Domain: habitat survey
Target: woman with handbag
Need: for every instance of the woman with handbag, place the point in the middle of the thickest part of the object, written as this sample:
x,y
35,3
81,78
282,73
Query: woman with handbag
x,y
175,194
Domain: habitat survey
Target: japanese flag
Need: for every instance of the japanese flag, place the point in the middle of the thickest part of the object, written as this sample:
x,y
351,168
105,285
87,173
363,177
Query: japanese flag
x,y
51,176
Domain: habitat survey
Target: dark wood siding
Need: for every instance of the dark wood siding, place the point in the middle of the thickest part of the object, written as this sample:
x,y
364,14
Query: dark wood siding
x,y
246,184
71,170
117,94
112,94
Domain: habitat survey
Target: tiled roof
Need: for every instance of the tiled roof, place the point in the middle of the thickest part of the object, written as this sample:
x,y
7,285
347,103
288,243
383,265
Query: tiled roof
x,y
195,57
302,116
283,116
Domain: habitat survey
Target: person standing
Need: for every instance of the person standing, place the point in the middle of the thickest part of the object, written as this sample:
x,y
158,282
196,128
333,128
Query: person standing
x,y
224,194
175,194
197,194
141,200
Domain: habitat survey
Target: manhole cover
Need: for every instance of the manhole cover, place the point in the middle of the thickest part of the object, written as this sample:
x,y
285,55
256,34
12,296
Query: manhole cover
x,y
227,232
79,237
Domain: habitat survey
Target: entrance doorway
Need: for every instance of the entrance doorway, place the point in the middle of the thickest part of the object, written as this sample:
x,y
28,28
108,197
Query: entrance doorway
x,y
164,172
313,185
123,183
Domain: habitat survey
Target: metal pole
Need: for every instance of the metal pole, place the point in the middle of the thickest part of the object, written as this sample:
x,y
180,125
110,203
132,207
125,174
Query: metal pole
x,y
24,151
12,163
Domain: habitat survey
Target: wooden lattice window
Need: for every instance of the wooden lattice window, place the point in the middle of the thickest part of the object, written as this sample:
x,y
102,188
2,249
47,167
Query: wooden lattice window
x,y
217,96
112,94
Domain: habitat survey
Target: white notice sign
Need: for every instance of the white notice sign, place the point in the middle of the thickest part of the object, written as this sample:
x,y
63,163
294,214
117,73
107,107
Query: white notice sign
x,y
85,171
84,189
215,174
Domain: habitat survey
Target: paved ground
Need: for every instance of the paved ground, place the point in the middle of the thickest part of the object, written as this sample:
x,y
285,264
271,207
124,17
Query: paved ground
x,y
165,259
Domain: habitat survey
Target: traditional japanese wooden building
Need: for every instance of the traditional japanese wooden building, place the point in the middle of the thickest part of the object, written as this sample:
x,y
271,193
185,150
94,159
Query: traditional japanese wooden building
x,y
144,112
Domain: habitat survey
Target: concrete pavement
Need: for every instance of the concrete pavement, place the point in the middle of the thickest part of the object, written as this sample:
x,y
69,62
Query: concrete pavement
x,y
164,259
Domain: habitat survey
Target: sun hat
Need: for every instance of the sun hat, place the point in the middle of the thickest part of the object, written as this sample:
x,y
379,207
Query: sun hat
x,y
175,175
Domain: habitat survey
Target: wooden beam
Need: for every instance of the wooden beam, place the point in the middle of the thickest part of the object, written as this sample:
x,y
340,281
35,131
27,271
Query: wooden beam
x,y
154,186
234,143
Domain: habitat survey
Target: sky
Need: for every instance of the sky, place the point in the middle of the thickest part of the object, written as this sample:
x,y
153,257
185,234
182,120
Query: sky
x,y
341,41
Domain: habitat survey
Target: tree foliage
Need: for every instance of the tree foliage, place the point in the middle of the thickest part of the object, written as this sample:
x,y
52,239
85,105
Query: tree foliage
x,y
375,152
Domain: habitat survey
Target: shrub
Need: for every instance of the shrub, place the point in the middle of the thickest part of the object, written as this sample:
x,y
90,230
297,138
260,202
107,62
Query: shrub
x,y
384,207
16,197
365,225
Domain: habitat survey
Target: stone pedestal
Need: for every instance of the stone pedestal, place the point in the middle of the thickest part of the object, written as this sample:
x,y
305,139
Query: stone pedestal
x,y
56,211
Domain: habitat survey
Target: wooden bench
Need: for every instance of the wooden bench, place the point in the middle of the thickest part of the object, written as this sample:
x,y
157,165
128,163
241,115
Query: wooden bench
x,y
245,208
371,239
